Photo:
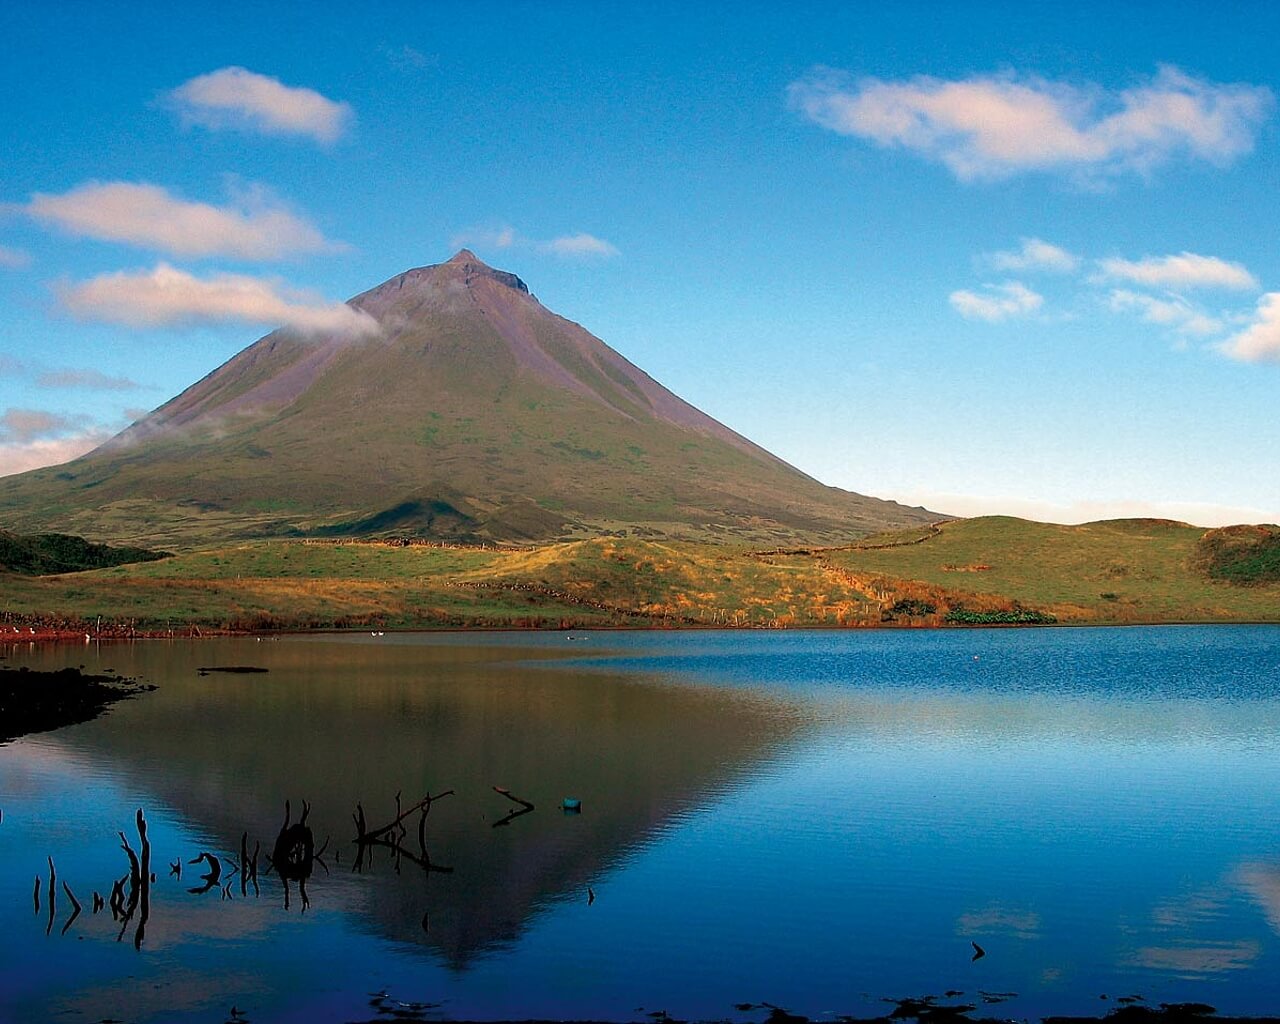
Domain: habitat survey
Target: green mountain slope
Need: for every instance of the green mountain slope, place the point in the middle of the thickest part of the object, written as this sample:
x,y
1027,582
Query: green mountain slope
x,y
475,413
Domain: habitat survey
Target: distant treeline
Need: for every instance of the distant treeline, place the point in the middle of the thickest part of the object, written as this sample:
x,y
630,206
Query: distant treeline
x,y
44,554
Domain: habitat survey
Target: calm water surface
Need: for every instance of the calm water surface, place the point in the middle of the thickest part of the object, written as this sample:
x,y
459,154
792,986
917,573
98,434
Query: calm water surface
x,y
817,820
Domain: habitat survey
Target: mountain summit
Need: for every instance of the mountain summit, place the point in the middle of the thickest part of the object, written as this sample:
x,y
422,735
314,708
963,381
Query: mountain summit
x,y
472,413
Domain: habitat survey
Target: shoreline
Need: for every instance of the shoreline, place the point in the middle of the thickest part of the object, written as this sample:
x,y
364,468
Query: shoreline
x,y
25,635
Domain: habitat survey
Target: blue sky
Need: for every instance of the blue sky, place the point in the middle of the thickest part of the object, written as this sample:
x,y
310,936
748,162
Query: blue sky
x,y
986,257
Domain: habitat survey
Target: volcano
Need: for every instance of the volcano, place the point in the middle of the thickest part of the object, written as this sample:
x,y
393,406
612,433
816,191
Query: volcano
x,y
473,413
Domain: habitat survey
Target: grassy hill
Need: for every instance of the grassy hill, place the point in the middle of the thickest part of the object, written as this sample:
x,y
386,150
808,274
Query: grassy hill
x,y
993,569
1127,570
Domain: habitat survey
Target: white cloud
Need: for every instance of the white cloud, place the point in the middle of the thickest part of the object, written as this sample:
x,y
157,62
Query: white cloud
x,y
18,457
1035,254
506,237
502,237
998,302
13,259
1172,311
254,227
234,97
995,126
88,379
1260,341
31,438
167,297
1184,270
580,244
30,424
1198,513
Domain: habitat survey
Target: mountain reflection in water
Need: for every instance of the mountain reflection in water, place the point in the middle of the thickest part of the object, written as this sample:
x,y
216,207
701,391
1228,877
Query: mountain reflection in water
x,y
817,820
338,724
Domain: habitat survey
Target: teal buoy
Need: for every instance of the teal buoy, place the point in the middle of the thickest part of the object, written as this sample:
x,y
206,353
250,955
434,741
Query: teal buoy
x,y
571,805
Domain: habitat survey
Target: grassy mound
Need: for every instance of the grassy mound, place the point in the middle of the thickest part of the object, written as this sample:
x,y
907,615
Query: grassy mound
x,y
45,554
1246,555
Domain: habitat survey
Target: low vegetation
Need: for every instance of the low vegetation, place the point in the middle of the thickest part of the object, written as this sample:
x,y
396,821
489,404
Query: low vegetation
x,y
975,572
1248,555
46,553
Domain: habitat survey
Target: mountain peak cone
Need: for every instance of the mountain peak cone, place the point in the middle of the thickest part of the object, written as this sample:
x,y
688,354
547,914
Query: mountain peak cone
x,y
474,413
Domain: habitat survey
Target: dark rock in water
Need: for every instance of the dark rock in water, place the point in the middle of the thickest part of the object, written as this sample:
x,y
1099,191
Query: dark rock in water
x,y
238,670
37,701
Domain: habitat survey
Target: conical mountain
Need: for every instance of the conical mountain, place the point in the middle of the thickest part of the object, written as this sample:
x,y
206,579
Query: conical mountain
x,y
474,412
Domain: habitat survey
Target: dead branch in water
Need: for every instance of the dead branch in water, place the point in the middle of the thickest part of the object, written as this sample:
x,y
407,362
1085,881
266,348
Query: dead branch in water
x,y
139,878
368,835
53,896
392,835
75,908
525,806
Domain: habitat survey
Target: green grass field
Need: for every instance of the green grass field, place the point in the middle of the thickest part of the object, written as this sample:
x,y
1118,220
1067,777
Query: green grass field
x,y
988,569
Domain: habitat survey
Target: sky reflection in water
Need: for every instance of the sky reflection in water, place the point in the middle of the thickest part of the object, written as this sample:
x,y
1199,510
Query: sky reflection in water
x,y
818,820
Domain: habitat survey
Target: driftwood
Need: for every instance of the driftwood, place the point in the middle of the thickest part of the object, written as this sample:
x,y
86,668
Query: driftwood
x,y
211,877
53,896
248,865
139,879
293,857
75,907
525,806
392,835
146,879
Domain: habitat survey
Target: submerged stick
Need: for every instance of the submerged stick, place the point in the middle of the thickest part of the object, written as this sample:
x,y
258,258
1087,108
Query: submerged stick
x,y
53,896
75,907
503,791
369,834
244,863
146,880
525,806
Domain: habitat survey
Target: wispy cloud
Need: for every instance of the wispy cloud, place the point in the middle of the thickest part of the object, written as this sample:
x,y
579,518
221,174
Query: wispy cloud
x,y
503,236
234,97
1172,311
31,438
995,126
21,456
1259,342
405,58
85,379
254,226
1035,254
1183,270
13,259
29,424
168,297
998,302
580,244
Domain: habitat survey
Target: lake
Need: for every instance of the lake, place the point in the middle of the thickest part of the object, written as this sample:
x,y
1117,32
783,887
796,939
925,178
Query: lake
x,y
817,820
